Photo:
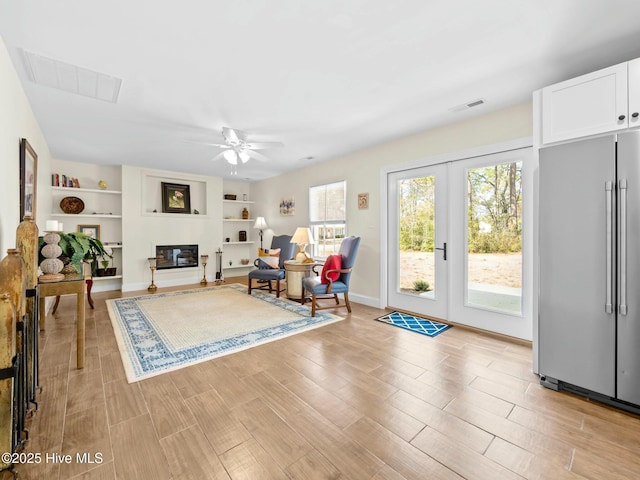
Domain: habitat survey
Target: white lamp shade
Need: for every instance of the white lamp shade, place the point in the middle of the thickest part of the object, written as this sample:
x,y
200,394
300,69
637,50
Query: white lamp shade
x,y
260,223
303,235
244,156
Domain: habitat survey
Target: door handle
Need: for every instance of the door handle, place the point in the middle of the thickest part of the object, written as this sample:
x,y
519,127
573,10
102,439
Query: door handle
x,y
622,255
608,303
444,250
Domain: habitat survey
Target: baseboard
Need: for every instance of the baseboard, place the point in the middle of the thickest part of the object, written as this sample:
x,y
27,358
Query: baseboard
x,y
365,300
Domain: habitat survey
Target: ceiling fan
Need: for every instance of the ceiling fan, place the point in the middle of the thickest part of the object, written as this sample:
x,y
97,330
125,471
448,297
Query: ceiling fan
x,y
238,149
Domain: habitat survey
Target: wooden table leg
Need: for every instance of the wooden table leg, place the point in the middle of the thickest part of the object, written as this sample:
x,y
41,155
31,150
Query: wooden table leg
x,y
80,329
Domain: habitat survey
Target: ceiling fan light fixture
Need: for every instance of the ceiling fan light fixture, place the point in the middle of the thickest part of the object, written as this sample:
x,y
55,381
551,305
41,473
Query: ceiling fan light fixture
x,y
244,156
231,156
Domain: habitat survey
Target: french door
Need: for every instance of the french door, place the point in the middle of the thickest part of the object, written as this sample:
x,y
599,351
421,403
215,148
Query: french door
x,y
418,238
455,242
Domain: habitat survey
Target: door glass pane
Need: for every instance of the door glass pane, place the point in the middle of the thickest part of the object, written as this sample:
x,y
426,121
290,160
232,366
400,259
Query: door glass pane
x,y
494,237
416,273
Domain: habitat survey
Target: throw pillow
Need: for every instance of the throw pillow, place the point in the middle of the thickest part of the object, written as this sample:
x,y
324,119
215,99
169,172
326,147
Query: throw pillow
x,y
269,258
333,262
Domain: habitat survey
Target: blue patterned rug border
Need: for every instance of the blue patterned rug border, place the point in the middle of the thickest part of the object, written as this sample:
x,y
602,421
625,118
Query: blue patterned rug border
x,y
421,325
145,354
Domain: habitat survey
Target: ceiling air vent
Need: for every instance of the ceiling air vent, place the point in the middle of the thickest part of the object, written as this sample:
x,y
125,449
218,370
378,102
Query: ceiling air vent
x,y
71,78
467,105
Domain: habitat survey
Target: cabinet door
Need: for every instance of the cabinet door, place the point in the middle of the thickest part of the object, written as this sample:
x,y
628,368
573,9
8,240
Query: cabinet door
x,y
586,105
634,93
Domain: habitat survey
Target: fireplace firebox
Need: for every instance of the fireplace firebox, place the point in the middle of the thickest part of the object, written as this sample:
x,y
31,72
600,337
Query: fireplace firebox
x,y
176,256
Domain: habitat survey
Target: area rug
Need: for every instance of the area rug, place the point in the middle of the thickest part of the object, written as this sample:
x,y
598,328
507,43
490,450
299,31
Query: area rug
x,y
163,332
415,324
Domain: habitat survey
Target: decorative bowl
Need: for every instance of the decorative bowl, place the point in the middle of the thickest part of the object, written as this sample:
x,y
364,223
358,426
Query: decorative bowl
x,y
244,261
72,205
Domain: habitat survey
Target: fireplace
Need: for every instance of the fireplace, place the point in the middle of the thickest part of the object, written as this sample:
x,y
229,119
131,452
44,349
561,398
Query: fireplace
x,y
176,256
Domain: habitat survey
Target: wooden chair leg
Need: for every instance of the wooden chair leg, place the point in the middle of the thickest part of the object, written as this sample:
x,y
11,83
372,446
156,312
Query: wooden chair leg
x,y
278,288
335,297
313,305
250,280
346,302
55,305
89,287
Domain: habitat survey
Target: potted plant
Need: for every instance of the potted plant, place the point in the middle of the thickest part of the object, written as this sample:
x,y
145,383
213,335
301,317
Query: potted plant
x,y
106,271
79,247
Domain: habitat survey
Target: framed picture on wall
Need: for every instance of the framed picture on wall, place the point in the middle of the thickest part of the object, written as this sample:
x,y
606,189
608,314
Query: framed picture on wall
x,y
28,180
92,231
288,206
175,198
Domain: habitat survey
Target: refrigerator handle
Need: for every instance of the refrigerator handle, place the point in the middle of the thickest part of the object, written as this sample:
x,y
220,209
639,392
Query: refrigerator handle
x,y
622,309
608,305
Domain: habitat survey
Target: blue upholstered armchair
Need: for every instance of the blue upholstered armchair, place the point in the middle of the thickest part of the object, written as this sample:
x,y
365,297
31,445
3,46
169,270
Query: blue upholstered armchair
x,y
319,290
265,275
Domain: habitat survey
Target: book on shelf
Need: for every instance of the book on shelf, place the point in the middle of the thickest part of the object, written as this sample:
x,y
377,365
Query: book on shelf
x,y
58,180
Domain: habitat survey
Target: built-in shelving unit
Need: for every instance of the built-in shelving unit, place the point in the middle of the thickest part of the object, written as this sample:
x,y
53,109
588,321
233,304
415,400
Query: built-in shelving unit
x,y
232,224
102,207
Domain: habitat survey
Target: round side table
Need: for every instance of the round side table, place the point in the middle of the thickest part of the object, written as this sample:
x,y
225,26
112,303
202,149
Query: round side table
x,y
295,272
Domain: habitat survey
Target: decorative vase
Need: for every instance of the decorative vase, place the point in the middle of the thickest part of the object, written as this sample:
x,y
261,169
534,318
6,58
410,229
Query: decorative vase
x,y
51,265
245,214
102,184
13,279
7,356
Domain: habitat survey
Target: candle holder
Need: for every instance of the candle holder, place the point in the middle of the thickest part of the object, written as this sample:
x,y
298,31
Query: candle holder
x,y
204,259
51,265
152,266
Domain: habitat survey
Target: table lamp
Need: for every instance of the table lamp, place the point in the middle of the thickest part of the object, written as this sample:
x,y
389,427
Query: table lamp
x,y
302,237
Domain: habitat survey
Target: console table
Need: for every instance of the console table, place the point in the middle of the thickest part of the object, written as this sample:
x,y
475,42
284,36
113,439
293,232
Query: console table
x,y
74,283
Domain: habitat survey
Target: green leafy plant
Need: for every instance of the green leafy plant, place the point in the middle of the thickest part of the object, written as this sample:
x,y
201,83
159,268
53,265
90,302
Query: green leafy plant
x,y
79,247
421,286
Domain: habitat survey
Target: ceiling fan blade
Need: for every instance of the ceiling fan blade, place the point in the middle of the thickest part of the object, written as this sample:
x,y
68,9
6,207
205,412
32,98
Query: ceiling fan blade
x,y
257,156
220,145
233,136
218,157
263,145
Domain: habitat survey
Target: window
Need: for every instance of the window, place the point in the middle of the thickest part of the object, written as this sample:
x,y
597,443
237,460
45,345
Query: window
x,y
327,207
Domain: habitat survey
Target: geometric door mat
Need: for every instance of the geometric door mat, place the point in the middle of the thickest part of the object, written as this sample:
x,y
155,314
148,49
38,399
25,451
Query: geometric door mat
x,y
415,324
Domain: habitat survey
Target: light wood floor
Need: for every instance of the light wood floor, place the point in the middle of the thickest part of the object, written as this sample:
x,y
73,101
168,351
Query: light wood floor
x,y
354,400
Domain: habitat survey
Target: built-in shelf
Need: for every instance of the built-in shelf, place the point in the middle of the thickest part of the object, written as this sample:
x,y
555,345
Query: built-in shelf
x,y
238,243
248,202
86,215
110,277
86,190
237,266
190,216
112,246
238,219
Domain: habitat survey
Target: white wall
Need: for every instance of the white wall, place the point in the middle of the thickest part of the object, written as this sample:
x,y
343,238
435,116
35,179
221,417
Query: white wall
x,y
17,121
143,229
362,171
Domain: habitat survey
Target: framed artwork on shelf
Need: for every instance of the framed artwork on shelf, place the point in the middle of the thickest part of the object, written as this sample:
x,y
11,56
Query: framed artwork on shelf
x,y
92,231
28,179
175,198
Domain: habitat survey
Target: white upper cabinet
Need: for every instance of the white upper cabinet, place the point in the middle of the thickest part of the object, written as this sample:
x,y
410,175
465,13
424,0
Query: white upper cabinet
x,y
590,104
634,93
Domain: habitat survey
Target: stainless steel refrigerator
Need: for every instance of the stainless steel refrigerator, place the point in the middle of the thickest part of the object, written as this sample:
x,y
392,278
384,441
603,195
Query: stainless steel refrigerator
x,y
589,226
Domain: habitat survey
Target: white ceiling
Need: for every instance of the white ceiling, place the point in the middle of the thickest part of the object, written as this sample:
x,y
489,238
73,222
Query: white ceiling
x,y
325,78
